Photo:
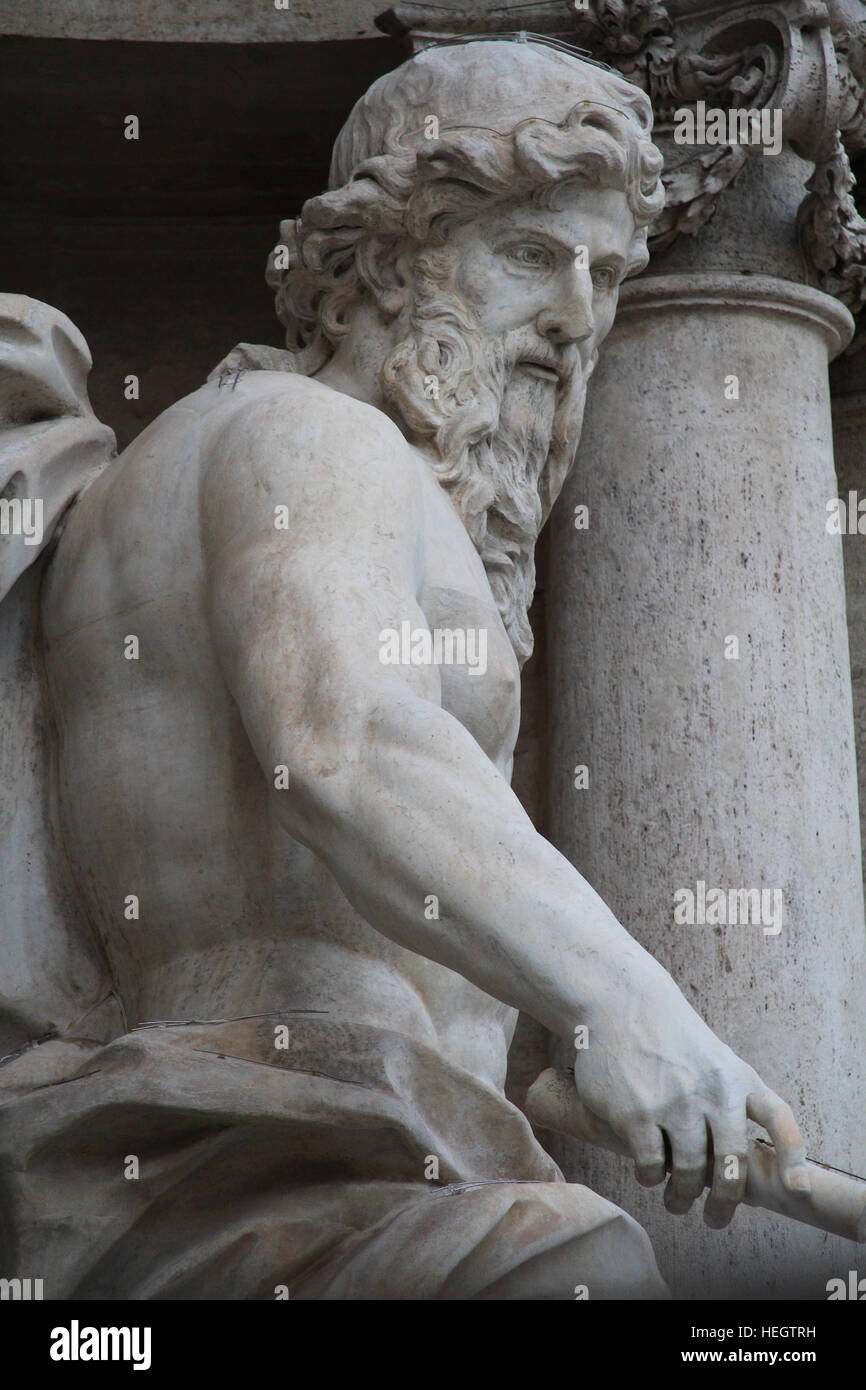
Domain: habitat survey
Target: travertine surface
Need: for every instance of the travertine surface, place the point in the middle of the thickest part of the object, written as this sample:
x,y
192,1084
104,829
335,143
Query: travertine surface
x,y
732,765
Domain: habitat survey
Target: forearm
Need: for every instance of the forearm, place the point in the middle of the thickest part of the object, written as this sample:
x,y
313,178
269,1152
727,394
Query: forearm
x,y
423,815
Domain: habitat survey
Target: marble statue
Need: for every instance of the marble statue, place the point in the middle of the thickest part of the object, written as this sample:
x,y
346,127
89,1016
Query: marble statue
x,y
280,641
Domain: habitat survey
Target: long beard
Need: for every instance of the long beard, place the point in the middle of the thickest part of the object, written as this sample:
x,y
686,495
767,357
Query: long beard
x,y
501,440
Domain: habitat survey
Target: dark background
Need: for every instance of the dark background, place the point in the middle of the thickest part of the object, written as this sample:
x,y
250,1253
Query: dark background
x,y
156,248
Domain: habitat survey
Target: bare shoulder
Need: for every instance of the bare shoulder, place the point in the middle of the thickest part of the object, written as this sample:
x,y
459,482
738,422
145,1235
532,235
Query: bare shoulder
x,y
315,446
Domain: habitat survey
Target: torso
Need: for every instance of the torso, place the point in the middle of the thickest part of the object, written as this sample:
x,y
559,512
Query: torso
x,y
158,791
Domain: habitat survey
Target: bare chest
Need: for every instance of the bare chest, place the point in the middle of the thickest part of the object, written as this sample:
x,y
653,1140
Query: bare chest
x,y
465,638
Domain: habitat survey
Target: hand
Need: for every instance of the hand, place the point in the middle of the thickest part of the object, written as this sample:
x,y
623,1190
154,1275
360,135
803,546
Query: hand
x,y
676,1097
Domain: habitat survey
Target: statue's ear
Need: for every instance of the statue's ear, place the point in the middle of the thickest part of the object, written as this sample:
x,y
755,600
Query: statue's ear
x,y
384,266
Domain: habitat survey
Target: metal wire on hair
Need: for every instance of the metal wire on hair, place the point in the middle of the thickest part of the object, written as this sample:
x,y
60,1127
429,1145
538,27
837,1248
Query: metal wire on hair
x,y
519,36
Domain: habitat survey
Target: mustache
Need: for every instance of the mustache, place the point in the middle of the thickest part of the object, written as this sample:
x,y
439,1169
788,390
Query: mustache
x,y
521,346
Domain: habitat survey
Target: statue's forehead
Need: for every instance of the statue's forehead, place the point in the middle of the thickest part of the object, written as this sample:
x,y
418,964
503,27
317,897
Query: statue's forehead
x,y
571,206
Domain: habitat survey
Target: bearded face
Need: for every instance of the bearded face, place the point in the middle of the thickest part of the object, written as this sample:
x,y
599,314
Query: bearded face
x,y
500,416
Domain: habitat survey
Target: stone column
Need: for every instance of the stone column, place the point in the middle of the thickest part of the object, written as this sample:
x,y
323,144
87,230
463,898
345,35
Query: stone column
x,y
849,375
707,524
849,442
698,653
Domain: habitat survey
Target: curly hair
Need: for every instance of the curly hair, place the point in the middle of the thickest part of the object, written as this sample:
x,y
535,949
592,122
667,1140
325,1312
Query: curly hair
x,y
326,259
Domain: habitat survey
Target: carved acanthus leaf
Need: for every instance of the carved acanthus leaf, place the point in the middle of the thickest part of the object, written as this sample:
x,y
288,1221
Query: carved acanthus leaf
x,y
628,33
622,27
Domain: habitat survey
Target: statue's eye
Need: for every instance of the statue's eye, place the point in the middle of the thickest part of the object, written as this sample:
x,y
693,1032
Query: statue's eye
x,y
532,256
604,277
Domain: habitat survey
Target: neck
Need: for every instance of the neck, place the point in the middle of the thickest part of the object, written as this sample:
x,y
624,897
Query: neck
x,y
356,365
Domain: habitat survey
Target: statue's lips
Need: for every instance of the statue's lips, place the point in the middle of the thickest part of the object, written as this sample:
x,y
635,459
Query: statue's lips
x,y
537,368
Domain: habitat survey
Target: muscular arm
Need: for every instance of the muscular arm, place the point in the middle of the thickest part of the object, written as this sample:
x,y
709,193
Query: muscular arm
x,y
384,784
400,801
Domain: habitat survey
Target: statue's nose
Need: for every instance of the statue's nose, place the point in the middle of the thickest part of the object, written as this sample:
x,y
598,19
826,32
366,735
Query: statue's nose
x,y
569,317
